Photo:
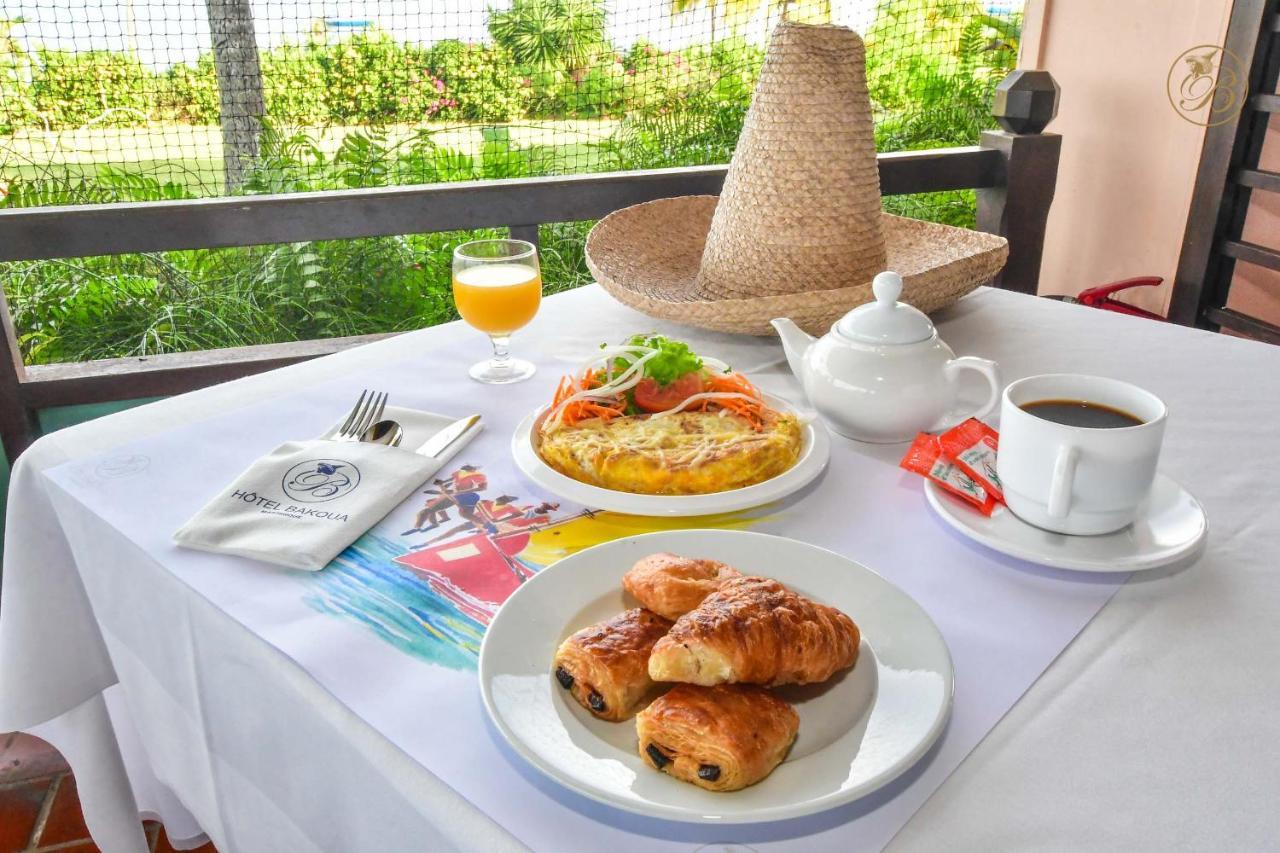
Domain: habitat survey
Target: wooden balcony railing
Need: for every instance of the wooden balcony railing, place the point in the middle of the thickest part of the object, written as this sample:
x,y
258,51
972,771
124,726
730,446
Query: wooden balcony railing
x,y
1014,175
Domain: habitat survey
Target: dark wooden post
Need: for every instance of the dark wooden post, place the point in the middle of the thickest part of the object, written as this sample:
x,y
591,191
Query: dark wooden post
x,y
528,233
1025,102
18,423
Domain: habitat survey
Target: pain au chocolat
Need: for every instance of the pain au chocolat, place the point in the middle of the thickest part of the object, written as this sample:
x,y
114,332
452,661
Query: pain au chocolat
x,y
671,585
754,630
605,666
721,738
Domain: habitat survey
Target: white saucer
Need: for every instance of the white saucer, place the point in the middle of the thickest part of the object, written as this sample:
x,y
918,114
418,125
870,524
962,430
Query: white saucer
x,y
1172,526
815,451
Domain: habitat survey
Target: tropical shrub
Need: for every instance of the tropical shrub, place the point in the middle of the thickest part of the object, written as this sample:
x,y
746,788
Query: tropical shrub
x,y
657,79
365,76
481,81
17,109
290,81
190,92
600,91
932,67
97,86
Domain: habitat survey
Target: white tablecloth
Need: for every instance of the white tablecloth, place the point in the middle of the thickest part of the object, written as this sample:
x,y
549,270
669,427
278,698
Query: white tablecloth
x,y
1155,729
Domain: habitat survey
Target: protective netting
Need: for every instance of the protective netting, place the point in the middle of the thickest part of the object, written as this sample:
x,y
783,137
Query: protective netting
x,y
134,100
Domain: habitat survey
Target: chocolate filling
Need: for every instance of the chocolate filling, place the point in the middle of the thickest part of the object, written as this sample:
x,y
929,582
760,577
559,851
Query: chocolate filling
x,y
709,772
596,701
565,679
659,760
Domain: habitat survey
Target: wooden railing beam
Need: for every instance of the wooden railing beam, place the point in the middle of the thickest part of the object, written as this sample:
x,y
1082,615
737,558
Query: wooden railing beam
x,y
74,231
111,379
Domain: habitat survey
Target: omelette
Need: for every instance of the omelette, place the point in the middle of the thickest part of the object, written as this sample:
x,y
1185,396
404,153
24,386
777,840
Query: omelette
x,y
682,453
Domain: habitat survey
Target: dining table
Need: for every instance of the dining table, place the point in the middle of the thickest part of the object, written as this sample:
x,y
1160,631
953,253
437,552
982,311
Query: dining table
x,y
1092,711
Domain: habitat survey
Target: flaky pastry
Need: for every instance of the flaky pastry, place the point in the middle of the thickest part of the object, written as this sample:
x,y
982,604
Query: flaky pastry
x,y
754,630
721,738
671,585
605,666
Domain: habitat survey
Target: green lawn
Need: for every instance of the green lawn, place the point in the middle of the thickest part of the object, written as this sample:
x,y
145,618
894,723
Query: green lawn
x,y
192,156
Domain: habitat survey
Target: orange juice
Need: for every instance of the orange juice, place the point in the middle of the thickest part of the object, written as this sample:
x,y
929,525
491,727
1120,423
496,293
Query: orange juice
x,y
498,298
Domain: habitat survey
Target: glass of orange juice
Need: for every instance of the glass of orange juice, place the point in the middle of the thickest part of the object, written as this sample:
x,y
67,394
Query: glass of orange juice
x,y
497,286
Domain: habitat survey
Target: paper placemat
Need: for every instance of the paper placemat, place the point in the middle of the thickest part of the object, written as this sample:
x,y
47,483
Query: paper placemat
x,y
412,597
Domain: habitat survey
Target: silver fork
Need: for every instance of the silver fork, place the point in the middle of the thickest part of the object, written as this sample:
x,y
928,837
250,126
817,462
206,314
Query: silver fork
x,y
366,412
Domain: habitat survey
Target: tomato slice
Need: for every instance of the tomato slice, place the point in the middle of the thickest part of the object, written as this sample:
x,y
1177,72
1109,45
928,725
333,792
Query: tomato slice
x,y
652,397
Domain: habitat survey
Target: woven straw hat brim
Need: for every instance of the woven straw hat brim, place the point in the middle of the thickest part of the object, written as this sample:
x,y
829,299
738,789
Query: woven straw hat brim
x,y
647,256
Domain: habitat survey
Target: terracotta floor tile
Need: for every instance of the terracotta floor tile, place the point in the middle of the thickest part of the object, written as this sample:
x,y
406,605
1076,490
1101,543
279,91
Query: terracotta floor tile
x,y
19,809
85,847
65,822
24,756
163,846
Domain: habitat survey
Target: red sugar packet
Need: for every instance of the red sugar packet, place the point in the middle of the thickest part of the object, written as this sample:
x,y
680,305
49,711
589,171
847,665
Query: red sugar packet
x,y
925,458
972,446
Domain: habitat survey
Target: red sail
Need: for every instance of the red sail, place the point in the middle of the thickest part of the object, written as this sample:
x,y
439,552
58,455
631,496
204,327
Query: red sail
x,y
474,572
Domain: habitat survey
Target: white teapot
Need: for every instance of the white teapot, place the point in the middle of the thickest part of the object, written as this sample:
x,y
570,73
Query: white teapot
x,y
882,374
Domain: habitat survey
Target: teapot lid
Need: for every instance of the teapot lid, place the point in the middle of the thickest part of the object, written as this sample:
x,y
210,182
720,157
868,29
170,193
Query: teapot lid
x,y
886,321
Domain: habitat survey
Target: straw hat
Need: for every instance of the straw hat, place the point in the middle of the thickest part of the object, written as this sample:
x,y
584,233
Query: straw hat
x,y
798,229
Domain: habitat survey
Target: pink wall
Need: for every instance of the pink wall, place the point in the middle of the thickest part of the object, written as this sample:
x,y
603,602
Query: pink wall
x,y
1128,159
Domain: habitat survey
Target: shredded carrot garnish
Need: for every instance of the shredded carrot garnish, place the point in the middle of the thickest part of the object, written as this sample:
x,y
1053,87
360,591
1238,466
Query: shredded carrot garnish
x,y
752,410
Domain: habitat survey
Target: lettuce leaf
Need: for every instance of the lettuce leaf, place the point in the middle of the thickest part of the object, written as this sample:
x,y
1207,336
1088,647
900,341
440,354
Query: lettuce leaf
x,y
674,358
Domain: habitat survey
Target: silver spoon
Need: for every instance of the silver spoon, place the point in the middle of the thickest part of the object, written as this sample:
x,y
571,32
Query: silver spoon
x,y
384,432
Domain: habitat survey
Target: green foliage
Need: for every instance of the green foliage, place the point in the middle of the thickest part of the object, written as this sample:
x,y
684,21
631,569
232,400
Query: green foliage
x,y
477,82
931,69
97,86
148,303
17,109
291,77
369,78
189,93
552,35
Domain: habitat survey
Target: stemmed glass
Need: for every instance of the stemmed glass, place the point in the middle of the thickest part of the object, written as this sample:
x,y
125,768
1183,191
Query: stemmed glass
x,y
497,286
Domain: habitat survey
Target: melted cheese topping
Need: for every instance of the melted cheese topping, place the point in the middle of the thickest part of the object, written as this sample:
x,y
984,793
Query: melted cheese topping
x,y
680,453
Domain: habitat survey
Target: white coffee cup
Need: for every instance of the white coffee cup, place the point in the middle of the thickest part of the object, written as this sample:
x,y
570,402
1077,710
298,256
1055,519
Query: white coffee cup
x,y
1072,479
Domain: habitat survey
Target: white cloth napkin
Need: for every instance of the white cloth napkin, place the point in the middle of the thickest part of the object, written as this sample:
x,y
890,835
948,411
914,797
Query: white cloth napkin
x,y
302,504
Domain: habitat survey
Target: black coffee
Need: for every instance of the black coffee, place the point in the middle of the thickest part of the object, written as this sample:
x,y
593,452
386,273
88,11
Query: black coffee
x,y
1081,413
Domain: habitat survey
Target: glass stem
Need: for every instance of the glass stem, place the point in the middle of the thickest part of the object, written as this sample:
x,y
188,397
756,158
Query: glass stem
x,y
501,352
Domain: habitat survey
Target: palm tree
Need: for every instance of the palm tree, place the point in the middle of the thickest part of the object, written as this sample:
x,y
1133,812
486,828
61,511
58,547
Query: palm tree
x,y
551,34
235,56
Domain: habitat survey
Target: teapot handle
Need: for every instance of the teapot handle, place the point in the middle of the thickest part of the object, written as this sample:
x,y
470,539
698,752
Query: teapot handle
x,y
952,369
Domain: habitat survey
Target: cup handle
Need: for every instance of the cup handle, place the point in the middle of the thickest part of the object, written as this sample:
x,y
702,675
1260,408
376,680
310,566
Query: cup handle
x,y
952,369
1064,475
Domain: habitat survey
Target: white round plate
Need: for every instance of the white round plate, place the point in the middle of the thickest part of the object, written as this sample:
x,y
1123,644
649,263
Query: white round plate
x,y
815,451
1172,526
858,731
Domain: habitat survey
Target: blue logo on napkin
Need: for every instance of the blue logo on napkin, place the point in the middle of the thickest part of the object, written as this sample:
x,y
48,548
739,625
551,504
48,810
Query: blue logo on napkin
x,y
320,480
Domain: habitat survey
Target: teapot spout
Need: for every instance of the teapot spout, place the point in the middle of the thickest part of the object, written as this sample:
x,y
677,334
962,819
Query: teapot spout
x,y
795,343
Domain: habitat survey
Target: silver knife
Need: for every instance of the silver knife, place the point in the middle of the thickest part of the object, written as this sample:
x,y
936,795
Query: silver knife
x,y
445,438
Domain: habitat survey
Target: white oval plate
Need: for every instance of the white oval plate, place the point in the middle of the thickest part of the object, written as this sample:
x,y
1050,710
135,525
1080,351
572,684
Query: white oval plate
x,y
1172,526
815,451
858,731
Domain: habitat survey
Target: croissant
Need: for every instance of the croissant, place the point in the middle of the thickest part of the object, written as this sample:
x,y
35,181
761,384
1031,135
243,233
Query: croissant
x,y
671,585
605,667
721,738
755,630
